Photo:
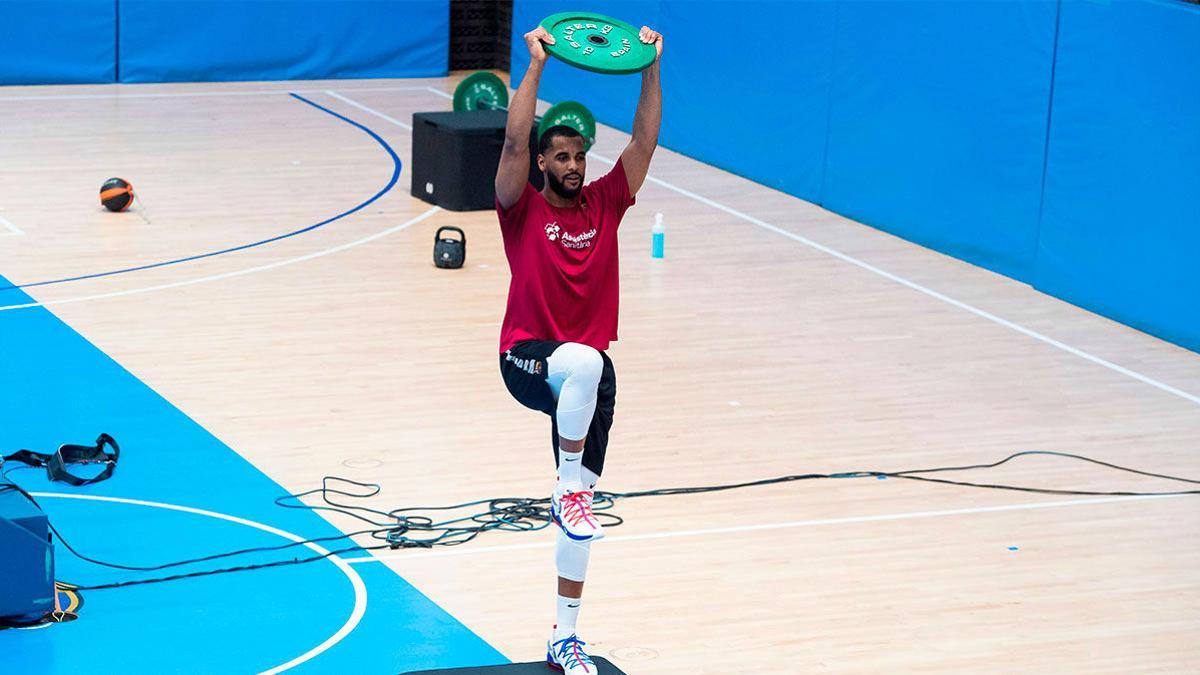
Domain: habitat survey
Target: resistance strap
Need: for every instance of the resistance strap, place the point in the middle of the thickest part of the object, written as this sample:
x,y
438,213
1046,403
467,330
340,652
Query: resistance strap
x,y
57,462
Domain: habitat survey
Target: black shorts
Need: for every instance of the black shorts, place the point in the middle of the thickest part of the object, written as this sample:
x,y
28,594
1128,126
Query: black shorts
x,y
524,370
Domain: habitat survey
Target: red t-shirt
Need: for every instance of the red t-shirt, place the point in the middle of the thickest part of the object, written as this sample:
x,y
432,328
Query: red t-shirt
x,y
564,264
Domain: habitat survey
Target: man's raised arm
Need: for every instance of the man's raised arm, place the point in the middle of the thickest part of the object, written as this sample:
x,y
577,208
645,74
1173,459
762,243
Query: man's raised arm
x,y
636,157
513,172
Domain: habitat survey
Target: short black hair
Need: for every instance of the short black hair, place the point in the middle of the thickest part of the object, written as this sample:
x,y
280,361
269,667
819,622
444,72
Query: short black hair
x,y
548,138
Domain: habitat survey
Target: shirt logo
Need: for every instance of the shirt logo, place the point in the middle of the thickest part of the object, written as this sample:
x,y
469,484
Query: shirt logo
x,y
583,240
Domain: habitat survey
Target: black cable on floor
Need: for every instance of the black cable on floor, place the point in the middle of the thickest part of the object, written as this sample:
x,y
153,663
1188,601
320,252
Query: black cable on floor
x,y
417,527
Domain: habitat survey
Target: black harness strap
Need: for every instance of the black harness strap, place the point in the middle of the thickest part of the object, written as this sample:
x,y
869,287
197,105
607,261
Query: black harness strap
x,y
57,462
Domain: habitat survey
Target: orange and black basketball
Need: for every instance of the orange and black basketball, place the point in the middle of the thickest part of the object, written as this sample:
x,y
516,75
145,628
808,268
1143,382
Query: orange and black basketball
x,y
116,194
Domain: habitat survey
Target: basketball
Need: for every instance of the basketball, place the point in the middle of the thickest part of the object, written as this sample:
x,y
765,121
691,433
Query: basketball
x,y
116,194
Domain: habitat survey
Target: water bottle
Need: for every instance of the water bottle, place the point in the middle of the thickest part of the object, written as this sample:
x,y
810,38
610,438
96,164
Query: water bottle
x,y
657,243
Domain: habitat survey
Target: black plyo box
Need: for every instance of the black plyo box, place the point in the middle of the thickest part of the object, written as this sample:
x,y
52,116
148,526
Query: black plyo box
x,y
455,155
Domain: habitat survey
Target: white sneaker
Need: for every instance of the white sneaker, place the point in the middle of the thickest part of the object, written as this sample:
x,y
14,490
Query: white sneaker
x,y
568,656
572,511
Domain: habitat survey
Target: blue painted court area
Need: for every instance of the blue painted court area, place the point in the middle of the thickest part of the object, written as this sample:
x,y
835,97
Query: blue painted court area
x,y
59,388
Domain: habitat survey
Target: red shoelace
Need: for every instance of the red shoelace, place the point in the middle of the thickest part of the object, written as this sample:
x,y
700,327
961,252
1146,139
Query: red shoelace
x,y
577,507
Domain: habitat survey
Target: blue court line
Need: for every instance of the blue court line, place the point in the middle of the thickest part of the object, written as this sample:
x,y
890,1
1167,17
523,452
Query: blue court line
x,y
61,388
390,184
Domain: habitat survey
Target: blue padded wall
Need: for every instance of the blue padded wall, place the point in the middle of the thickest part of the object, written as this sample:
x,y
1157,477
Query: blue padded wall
x,y
1054,142
214,40
722,103
926,119
1121,221
57,41
769,104
938,124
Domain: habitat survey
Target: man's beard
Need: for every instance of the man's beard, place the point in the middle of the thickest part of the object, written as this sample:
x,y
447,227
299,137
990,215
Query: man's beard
x,y
560,188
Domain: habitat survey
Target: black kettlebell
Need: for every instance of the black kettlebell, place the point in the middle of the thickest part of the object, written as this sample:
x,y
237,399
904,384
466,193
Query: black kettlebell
x,y
449,253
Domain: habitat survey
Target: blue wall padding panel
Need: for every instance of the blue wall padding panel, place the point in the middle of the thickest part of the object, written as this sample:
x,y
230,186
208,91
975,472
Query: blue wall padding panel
x,y
938,124
758,113
215,40
933,120
769,104
1121,220
58,41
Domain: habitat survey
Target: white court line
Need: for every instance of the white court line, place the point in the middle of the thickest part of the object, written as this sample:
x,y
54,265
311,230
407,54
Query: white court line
x,y
356,582
768,526
923,289
235,273
910,284
795,237
364,108
191,94
12,229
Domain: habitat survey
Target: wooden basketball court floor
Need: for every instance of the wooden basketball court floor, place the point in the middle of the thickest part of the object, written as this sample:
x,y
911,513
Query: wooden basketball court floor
x,y
774,338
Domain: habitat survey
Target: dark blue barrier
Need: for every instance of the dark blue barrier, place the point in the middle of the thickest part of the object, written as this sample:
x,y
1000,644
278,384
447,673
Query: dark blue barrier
x,y
58,41
938,124
214,40
1121,220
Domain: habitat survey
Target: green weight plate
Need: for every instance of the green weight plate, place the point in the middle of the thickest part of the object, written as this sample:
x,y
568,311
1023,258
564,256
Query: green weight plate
x,y
597,43
571,114
480,91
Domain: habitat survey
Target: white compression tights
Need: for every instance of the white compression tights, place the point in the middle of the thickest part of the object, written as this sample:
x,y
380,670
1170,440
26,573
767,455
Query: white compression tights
x,y
571,557
574,375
